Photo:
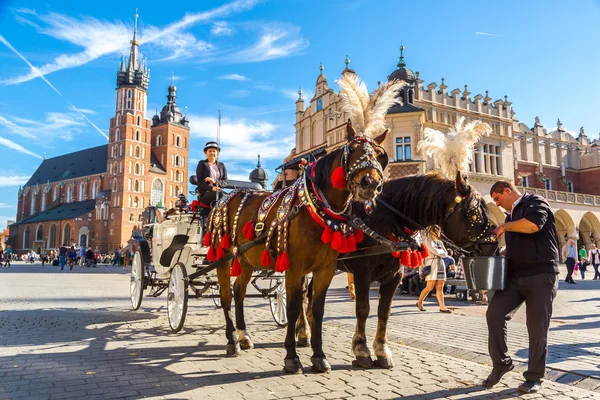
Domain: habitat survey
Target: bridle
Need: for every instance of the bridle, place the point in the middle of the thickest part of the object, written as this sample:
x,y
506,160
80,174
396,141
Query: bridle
x,y
475,218
367,160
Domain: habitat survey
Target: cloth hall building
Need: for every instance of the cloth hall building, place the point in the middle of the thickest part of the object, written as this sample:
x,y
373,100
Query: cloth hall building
x,y
556,164
95,197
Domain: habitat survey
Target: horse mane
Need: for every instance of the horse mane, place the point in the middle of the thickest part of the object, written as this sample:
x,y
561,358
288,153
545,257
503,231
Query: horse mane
x,y
322,173
422,198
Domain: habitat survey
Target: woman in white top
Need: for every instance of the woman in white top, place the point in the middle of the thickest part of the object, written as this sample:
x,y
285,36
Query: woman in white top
x,y
594,259
437,276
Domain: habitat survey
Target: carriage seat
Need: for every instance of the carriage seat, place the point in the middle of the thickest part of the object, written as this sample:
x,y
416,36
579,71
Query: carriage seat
x,y
194,182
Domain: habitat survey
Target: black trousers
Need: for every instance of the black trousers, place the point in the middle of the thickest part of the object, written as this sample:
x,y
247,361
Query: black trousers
x,y
537,292
570,267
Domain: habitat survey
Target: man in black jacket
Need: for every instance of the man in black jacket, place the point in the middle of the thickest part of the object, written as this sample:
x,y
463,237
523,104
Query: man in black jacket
x,y
532,252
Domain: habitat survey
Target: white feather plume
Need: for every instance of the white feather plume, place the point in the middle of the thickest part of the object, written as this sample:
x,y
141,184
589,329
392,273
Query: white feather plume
x,y
453,151
367,112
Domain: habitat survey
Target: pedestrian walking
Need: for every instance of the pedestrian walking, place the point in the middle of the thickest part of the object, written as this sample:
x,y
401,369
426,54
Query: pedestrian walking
x,y
72,256
570,255
594,260
437,276
532,252
62,256
7,256
44,257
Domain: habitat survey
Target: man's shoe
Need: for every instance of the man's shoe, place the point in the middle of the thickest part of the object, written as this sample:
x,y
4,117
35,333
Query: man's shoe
x,y
529,387
496,375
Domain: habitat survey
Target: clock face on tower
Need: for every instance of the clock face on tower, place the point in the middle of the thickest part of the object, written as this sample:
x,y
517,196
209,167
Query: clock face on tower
x,y
319,104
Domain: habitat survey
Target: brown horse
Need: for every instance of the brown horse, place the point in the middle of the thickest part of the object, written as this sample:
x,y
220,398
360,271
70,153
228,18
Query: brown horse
x,y
362,161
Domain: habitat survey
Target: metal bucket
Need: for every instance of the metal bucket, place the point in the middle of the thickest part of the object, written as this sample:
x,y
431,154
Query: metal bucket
x,y
485,273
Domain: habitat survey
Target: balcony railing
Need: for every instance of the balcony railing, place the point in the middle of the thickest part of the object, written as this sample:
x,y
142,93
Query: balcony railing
x,y
566,197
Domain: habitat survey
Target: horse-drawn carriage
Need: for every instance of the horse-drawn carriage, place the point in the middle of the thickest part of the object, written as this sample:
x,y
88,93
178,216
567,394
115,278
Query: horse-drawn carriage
x,y
168,256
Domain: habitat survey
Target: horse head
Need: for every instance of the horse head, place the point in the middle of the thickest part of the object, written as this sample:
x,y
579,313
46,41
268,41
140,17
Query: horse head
x,y
467,222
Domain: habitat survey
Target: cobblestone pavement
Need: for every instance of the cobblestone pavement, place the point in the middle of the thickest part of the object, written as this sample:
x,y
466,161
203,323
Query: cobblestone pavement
x,y
71,334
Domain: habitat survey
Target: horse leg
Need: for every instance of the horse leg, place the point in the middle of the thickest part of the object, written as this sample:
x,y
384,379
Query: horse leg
x,y
302,326
359,341
321,281
239,293
293,287
382,350
233,346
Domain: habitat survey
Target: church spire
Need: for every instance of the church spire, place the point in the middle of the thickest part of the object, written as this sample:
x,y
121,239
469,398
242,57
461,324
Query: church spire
x,y
136,73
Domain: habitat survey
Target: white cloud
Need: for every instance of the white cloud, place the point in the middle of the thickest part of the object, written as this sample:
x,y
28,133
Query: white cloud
x,y
276,41
55,125
264,87
234,77
4,205
291,94
83,110
15,146
221,28
14,128
25,11
242,139
239,93
486,34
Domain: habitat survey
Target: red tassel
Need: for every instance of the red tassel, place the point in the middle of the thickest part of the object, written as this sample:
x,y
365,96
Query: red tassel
x,y
414,259
351,243
419,258
405,258
206,241
327,235
359,235
336,241
210,255
338,178
265,258
283,263
248,230
396,254
220,253
344,247
236,268
225,242
424,250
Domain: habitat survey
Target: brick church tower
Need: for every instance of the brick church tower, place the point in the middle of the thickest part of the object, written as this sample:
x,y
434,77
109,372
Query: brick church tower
x,y
146,159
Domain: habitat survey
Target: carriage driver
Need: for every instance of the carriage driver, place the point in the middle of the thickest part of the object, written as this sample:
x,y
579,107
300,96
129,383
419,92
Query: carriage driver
x,y
211,174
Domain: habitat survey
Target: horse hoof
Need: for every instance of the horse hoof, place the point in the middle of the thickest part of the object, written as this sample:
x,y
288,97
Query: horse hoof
x,y
292,366
384,362
246,344
233,350
320,365
363,362
303,342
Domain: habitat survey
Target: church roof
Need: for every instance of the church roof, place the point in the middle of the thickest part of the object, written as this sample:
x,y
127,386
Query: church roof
x,y
61,212
74,165
156,165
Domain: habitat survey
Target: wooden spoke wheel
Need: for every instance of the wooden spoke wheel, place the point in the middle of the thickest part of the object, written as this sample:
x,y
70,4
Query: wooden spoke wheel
x,y
177,297
136,284
278,303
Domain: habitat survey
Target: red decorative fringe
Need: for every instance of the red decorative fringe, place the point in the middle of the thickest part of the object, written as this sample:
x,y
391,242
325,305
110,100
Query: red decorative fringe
x,y
396,254
283,263
220,253
405,258
419,258
351,243
248,230
194,205
236,268
344,246
414,259
359,235
327,235
206,241
338,178
424,250
336,241
265,258
225,242
210,255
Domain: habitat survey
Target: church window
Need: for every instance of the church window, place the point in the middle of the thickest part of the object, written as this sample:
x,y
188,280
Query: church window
x,y
43,202
157,192
26,238
136,186
82,191
176,176
176,190
177,160
39,233
178,141
135,202
52,237
139,120
403,149
67,234
158,140
138,136
129,99
131,217
137,151
70,194
118,123
112,152
95,189
137,168
55,194
32,209
114,185
139,105
121,167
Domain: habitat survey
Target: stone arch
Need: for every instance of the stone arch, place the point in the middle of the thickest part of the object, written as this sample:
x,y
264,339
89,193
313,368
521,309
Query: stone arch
x,y
565,227
589,229
52,237
27,238
39,233
67,235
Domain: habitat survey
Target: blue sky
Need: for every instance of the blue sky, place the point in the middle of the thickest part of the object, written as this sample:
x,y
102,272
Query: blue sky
x,y
248,58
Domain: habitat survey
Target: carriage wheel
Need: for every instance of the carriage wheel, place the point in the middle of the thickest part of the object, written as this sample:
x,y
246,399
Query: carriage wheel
x,y
177,297
278,303
214,291
136,285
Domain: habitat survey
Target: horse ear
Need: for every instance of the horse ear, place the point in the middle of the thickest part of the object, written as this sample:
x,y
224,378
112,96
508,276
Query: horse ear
x,y
381,138
350,132
461,184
